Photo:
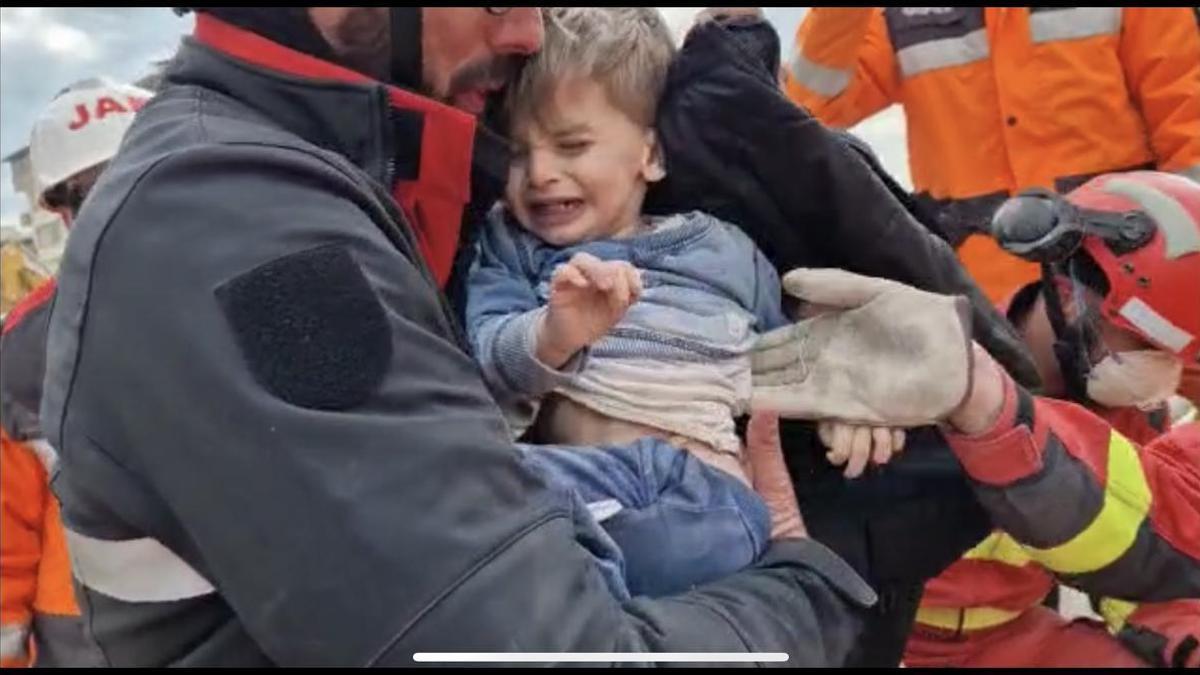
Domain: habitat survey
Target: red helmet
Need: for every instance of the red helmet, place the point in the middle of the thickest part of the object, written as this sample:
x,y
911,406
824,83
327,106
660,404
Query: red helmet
x,y
1153,285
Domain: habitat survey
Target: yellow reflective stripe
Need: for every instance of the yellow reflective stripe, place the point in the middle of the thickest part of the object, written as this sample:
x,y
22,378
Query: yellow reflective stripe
x,y
1126,502
999,547
1116,613
965,618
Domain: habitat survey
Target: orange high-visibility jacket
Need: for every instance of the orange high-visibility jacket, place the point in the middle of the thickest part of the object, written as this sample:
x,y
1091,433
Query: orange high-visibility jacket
x,y
39,617
37,601
999,99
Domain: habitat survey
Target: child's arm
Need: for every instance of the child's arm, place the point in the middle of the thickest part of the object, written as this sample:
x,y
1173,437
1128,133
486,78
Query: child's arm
x,y
525,349
503,315
768,295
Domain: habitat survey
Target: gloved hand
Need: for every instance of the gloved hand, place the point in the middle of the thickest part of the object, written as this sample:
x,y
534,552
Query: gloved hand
x,y
885,355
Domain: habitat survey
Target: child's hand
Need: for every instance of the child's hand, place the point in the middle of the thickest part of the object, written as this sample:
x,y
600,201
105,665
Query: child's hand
x,y
588,296
854,445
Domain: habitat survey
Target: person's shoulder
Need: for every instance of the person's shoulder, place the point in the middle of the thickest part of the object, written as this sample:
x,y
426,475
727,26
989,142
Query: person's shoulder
x,y
33,304
208,133
190,115
222,180
204,213
730,233
22,349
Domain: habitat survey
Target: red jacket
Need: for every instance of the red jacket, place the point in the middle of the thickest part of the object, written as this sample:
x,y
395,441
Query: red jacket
x,y
1075,498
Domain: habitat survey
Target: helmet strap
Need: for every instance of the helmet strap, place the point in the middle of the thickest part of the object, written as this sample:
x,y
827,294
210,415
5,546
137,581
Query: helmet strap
x,y
1072,341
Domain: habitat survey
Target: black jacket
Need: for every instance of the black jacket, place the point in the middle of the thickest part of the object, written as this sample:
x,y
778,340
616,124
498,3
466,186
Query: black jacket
x,y
270,428
736,147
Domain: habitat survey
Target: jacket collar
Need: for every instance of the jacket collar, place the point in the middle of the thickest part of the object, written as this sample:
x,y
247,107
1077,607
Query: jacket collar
x,y
420,149
326,104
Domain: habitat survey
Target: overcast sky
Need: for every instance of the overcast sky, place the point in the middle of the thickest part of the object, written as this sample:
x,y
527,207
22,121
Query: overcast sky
x,y
43,49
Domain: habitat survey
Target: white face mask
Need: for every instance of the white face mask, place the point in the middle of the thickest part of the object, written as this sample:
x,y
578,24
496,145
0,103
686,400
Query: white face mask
x,y
1143,379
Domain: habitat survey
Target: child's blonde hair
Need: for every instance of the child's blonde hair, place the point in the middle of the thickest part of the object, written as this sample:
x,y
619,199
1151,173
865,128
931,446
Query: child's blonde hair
x,y
626,49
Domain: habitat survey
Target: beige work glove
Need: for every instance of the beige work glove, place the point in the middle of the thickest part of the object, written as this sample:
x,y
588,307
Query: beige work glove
x,y
883,354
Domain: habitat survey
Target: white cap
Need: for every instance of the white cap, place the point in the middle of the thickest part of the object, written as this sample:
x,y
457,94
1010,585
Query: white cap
x,y
82,127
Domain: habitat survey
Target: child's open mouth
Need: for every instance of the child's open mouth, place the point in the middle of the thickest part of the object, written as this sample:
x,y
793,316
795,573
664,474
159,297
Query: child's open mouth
x,y
556,211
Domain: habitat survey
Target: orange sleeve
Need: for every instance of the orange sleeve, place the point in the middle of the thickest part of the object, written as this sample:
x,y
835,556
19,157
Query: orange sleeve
x,y
842,67
1160,52
22,503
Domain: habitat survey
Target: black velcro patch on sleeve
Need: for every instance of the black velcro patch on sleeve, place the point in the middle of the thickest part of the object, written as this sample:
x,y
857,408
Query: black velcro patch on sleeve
x,y
311,328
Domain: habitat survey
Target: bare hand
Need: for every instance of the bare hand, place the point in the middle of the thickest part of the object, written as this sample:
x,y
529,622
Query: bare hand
x,y
856,445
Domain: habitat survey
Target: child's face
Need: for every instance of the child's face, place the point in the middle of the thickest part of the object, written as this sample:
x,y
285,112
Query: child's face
x,y
581,168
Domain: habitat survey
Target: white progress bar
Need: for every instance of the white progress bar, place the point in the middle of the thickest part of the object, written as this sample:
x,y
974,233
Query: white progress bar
x,y
599,657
